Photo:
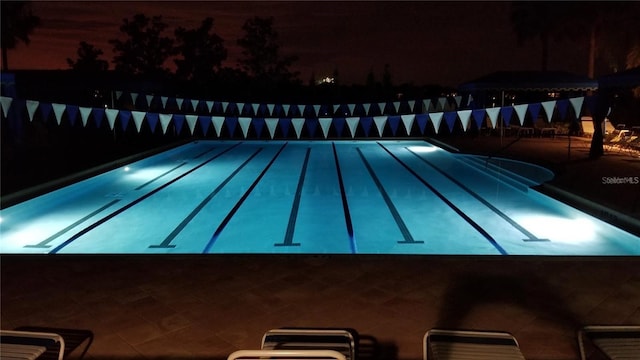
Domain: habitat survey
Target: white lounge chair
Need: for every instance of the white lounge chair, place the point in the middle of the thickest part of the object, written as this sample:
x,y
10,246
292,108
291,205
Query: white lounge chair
x,y
343,341
620,342
285,355
467,344
26,345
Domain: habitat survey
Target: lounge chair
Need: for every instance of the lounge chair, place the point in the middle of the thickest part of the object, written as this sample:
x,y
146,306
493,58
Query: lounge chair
x,y
467,344
343,341
613,341
16,344
73,339
285,354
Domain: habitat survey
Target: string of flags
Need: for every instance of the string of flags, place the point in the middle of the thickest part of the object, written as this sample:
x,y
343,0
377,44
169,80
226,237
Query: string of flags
x,y
300,126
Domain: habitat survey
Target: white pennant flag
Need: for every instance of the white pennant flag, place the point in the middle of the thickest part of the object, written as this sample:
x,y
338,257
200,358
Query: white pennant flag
x,y
493,115
138,118
164,99
272,123
179,101
367,106
436,119
382,105
442,102
6,104
548,107
458,100
118,95
380,122
194,104
149,99
191,122
244,125
325,123
412,105
270,107
335,108
32,106
209,105
301,109
84,114
352,107
465,117
111,116
286,107
255,109
316,109
134,97
297,125
58,110
396,105
407,120
521,111
577,105
427,105
217,123
165,119
352,122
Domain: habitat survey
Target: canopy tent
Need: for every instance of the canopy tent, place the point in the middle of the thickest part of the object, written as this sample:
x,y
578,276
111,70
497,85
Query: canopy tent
x,y
624,79
530,81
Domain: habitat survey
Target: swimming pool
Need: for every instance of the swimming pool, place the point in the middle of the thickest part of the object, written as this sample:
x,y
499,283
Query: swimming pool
x,y
311,197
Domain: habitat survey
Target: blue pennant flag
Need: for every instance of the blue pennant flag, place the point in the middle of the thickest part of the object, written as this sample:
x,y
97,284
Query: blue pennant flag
x,y
450,119
422,119
478,116
338,124
98,116
562,105
152,120
178,122
205,122
312,125
393,121
72,114
366,123
45,110
506,112
534,111
284,123
125,116
231,122
258,125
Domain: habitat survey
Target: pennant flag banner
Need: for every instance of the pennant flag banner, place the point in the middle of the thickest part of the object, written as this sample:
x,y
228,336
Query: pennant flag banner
x,y
217,121
352,123
125,116
72,113
205,122
45,111
258,125
231,122
85,112
152,120
563,107
366,123
32,106
165,119
297,126
338,124
577,106
548,107
465,117
285,124
149,100
138,118
521,111
178,122
393,124
271,123
58,111
450,119
407,120
5,102
191,122
98,115
534,110
380,122
422,119
436,119
478,116
325,123
506,113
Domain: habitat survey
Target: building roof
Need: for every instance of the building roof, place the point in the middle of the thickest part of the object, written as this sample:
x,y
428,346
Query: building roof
x,y
530,81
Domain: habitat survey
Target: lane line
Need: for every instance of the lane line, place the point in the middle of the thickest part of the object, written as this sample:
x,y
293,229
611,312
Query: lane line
x,y
406,234
166,243
136,201
44,243
235,208
345,204
450,204
159,176
288,238
530,236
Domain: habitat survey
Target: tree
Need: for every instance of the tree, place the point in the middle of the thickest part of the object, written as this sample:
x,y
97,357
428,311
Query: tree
x,y
202,51
88,59
17,23
145,50
261,56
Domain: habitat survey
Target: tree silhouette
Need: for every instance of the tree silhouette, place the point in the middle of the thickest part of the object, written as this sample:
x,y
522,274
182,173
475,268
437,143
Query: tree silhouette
x,y
145,50
202,51
16,24
88,59
261,52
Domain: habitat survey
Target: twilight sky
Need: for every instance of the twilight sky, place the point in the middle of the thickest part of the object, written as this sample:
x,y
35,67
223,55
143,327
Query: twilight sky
x,y
428,42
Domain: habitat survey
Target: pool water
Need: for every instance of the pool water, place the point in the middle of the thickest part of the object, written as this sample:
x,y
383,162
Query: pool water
x,y
311,197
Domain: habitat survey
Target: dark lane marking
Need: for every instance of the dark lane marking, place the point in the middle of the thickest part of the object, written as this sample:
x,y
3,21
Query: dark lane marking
x,y
159,176
45,243
345,204
226,220
406,234
529,235
166,243
136,201
288,237
450,204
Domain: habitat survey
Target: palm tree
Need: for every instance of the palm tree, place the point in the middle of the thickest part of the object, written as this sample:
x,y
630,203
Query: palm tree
x,y
17,23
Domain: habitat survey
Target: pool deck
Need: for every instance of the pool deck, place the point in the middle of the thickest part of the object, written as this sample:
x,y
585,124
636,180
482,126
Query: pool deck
x,y
205,307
